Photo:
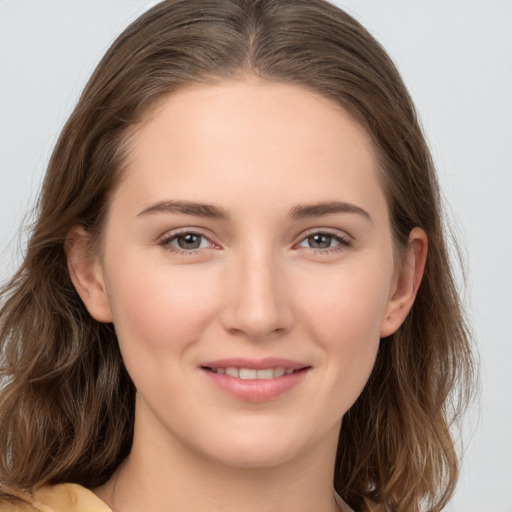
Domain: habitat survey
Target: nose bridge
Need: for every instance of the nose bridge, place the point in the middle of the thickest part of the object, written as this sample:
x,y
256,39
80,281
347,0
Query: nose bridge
x,y
257,303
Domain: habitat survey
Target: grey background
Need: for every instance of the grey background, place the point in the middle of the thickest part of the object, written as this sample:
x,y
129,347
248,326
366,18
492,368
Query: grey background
x,y
455,56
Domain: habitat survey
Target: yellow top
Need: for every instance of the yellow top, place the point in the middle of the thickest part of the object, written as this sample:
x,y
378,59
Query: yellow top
x,y
56,498
73,498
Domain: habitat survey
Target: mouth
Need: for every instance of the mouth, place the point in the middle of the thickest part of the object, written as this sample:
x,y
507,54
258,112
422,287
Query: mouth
x,y
253,373
255,380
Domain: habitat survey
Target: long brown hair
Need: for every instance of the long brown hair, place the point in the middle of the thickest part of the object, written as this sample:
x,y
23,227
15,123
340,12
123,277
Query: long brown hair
x,y
67,402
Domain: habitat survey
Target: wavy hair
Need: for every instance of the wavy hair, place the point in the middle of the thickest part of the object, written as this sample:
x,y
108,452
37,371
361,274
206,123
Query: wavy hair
x,y
67,402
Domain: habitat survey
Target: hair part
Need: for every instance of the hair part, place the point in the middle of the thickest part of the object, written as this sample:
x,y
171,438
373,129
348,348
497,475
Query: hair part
x,y
67,404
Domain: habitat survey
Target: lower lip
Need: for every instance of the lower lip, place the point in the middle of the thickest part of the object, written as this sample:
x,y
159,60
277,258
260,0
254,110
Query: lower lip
x,y
255,390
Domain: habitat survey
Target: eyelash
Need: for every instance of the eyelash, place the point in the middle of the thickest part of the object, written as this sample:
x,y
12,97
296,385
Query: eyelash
x,y
167,241
343,242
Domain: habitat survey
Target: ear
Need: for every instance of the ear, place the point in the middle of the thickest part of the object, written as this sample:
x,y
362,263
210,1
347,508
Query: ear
x,y
406,282
87,275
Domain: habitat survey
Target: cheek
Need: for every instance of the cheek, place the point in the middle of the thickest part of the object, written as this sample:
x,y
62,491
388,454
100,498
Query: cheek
x,y
159,307
345,317
349,305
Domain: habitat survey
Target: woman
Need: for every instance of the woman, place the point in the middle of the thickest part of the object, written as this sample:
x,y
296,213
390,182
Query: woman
x,y
227,302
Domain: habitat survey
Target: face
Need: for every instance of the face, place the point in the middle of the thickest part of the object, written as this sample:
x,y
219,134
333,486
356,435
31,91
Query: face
x,y
248,269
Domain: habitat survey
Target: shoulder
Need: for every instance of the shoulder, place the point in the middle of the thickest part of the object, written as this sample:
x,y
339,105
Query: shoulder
x,y
55,498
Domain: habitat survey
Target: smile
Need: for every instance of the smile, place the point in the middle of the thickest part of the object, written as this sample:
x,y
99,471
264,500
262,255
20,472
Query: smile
x,y
255,380
252,373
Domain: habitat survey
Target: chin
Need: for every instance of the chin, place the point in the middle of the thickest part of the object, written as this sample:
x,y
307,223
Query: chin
x,y
256,456
262,446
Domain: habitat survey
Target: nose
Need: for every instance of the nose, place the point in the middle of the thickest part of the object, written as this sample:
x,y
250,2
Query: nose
x,y
258,302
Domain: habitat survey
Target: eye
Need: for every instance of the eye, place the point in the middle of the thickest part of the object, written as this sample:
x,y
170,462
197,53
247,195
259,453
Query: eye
x,y
324,242
190,241
186,242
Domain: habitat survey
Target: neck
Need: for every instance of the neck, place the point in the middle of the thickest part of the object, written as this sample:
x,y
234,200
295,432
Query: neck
x,y
169,476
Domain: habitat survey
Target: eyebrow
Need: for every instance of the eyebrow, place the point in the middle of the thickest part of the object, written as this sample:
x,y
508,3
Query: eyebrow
x,y
187,208
303,211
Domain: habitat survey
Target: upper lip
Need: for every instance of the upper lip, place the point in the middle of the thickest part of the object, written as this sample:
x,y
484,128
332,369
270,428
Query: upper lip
x,y
256,364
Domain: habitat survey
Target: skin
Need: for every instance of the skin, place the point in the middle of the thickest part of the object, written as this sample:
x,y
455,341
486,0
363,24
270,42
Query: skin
x,y
257,286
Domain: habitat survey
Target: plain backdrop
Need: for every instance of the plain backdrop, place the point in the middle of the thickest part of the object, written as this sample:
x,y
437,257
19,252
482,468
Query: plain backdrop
x,y
456,58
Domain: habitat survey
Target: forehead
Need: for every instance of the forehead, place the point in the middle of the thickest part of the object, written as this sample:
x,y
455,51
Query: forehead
x,y
252,138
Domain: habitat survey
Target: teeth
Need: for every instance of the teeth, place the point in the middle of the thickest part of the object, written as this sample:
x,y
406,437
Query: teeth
x,y
279,372
232,372
265,374
252,374
246,373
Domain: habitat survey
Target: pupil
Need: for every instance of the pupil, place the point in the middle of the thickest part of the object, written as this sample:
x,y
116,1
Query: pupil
x,y
320,241
189,241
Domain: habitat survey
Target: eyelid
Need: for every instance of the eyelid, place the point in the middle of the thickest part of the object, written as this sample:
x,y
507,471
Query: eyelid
x,y
345,240
165,240
339,233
